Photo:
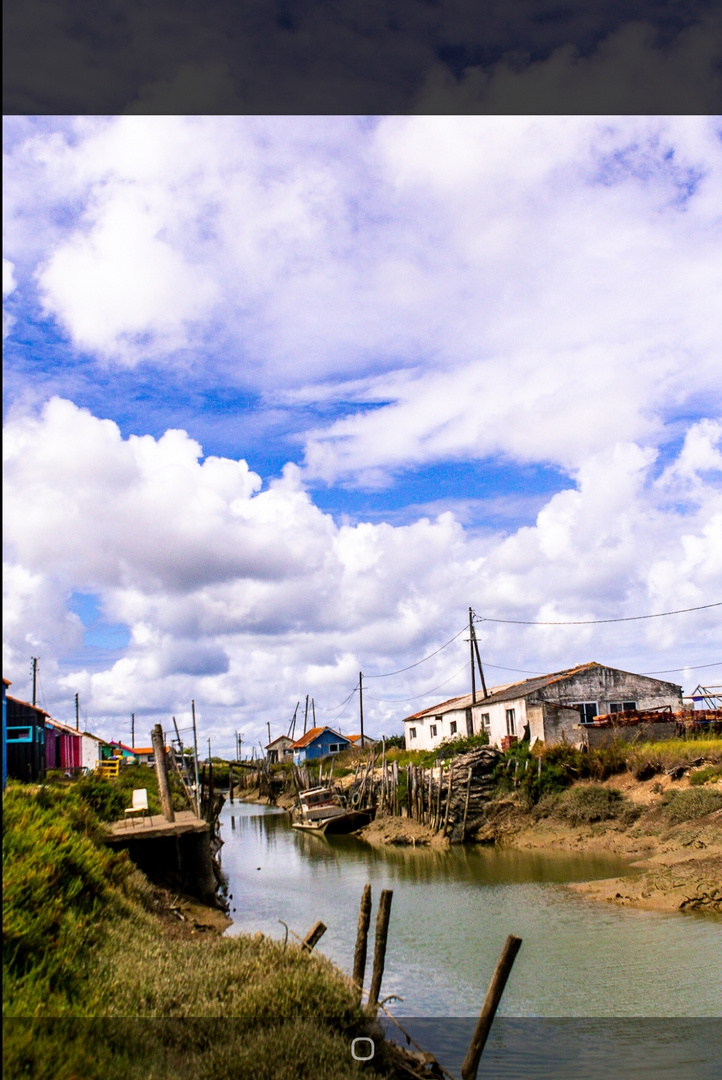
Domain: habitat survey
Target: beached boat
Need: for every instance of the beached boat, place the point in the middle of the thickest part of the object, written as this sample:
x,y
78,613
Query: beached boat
x,y
322,810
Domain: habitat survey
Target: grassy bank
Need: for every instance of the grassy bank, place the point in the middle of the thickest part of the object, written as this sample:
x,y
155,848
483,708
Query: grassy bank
x,y
94,986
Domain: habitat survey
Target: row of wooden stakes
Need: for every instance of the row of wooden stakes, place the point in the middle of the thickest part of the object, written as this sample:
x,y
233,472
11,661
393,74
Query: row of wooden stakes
x,y
470,1065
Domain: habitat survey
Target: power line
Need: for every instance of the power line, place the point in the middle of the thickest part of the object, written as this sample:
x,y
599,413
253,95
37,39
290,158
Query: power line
x,y
425,693
596,622
687,667
386,674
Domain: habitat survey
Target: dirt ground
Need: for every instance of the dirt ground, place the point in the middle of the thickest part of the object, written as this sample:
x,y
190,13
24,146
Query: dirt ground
x,y
677,868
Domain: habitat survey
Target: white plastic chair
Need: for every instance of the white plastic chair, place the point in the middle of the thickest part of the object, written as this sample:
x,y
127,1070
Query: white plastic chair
x,y
139,804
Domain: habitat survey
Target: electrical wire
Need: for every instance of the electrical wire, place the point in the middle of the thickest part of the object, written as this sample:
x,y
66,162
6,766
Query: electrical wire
x,y
425,693
687,667
596,622
386,674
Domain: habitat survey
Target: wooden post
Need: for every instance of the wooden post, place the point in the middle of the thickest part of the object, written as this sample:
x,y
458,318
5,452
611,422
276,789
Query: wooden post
x,y
364,921
230,783
382,931
470,1065
471,650
466,804
161,771
437,817
314,935
448,799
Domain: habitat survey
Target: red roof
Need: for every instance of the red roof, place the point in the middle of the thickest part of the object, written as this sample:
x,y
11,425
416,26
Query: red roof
x,y
312,734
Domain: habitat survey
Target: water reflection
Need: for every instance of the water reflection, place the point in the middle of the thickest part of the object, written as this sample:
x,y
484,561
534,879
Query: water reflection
x,y
452,911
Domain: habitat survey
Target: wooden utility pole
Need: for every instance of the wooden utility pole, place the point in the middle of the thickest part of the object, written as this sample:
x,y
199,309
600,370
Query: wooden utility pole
x,y
361,704
35,679
268,725
305,716
195,755
132,729
161,771
313,709
471,652
292,725
478,660
77,712
470,1065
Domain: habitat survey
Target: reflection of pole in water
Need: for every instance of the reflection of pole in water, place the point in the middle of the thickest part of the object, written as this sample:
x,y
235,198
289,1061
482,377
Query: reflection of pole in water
x,y
233,823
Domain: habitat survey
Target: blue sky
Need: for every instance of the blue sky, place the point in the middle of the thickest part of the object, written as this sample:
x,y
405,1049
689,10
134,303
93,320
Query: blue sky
x,y
285,396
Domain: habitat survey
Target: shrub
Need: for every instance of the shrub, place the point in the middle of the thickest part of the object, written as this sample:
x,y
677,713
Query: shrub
x,y
692,803
587,803
707,775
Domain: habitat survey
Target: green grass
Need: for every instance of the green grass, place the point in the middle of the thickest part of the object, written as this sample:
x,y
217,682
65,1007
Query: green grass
x,y
83,954
708,775
690,803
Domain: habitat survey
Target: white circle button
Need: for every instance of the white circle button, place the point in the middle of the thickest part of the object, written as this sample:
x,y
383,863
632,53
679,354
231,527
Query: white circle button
x,y
357,1047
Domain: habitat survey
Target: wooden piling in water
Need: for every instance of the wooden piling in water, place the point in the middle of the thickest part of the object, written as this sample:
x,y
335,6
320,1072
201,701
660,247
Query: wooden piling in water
x,y
382,931
364,921
314,935
470,1065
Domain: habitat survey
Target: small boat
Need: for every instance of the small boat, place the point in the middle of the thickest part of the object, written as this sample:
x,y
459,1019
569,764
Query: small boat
x,y
322,810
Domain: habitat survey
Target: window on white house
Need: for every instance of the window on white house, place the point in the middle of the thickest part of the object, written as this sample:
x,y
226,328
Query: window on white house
x,y
452,727
622,706
485,720
432,730
511,721
412,732
587,709
439,719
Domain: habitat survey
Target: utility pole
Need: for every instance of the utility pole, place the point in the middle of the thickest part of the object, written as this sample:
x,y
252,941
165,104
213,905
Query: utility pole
x,y
471,651
268,725
195,754
313,706
132,730
35,679
77,711
305,716
361,704
292,725
478,660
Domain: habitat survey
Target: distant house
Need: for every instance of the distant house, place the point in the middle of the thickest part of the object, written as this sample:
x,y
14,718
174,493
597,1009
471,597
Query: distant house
x,y
133,755
357,741
279,750
63,746
25,739
551,708
317,743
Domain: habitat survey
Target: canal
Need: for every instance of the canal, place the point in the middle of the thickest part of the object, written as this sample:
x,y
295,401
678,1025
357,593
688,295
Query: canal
x,y
452,911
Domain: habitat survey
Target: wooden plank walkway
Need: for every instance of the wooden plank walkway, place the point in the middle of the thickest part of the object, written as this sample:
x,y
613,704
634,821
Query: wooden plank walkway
x,y
142,829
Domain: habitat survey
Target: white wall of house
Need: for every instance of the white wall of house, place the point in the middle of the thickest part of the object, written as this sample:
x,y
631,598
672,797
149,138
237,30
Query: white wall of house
x,y
497,726
90,750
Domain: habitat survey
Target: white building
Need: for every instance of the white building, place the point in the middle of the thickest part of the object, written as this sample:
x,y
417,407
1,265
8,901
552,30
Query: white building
x,y
546,707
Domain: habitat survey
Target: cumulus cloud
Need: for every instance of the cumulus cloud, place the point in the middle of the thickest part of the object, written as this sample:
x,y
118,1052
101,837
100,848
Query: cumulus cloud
x,y
246,599
432,270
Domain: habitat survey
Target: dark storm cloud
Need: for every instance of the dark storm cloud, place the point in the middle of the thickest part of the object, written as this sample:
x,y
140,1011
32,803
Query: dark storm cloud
x,y
302,56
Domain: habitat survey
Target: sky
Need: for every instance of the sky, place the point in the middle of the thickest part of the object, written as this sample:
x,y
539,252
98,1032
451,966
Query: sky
x,y
285,396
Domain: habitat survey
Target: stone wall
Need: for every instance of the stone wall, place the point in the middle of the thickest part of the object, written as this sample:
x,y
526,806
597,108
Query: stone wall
x,y
644,731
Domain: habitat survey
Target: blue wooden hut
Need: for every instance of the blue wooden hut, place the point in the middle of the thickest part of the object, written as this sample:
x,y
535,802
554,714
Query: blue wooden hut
x,y
317,743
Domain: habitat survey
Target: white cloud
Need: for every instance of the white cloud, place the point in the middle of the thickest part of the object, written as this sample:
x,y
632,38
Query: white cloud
x,y
9,285
484,275
247,599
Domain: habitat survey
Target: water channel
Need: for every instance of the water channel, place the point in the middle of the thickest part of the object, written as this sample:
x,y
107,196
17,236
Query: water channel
x,y
452,911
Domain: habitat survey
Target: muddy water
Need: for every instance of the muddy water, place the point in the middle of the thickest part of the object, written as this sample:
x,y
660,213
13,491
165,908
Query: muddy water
x,y
452,911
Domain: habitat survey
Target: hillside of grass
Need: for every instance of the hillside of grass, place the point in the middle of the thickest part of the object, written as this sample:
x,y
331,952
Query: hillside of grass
x,y
93,987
